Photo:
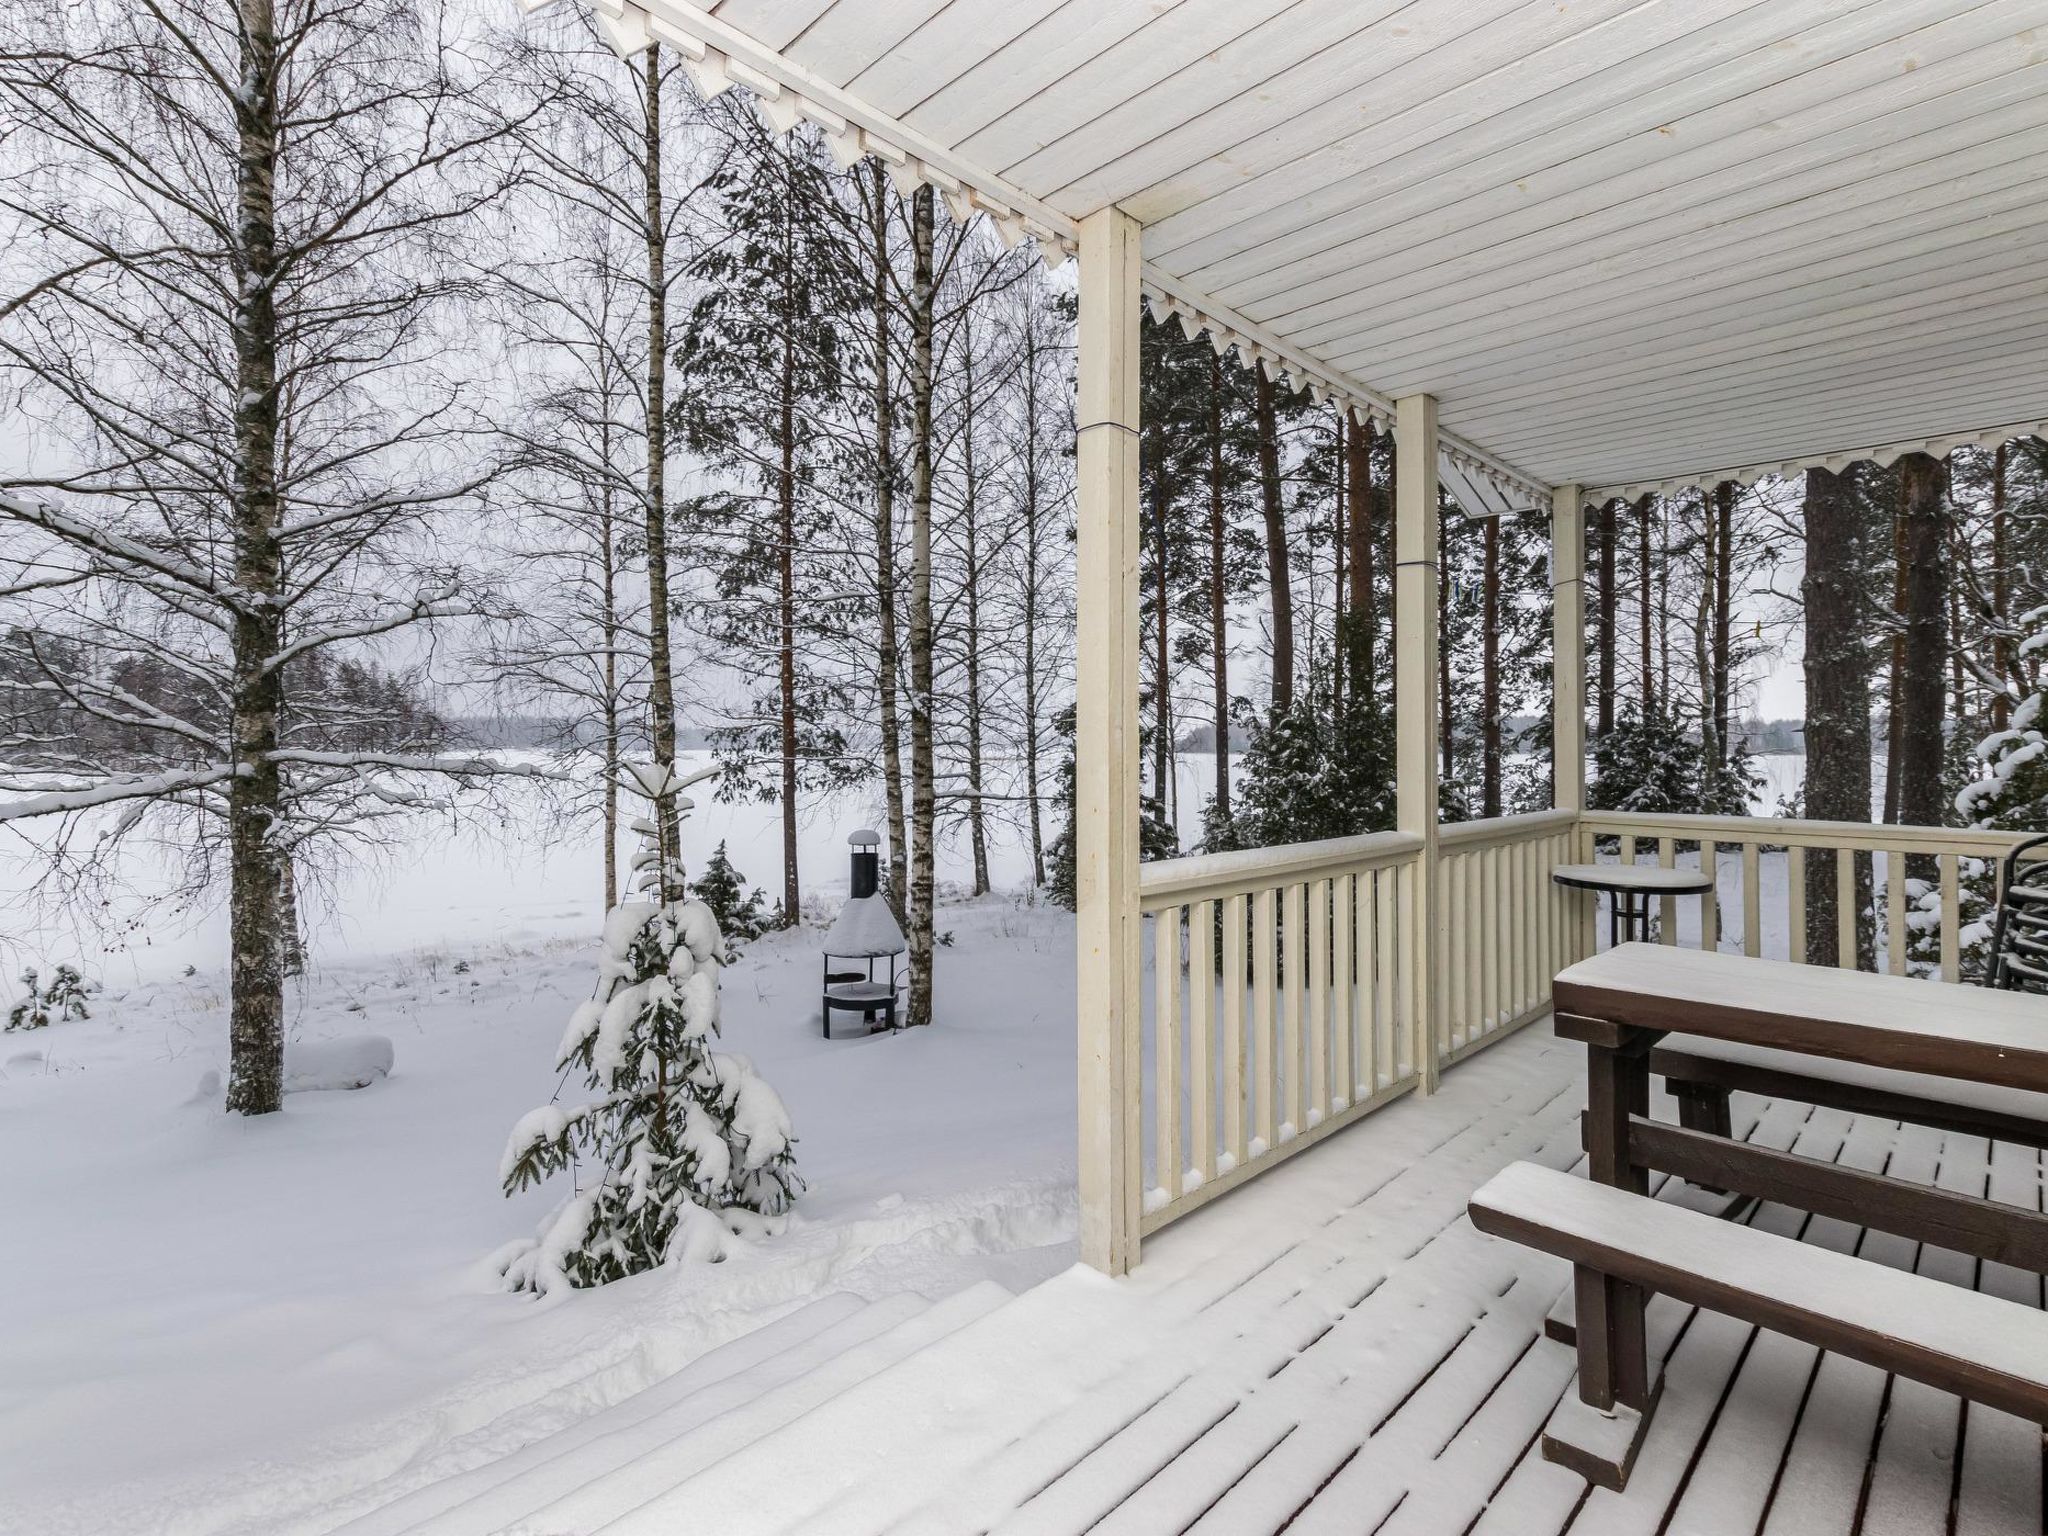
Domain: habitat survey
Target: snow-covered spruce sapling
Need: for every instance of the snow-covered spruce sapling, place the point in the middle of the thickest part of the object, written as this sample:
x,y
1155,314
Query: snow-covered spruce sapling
x,y
28,1011
66,994
679,1147
742,914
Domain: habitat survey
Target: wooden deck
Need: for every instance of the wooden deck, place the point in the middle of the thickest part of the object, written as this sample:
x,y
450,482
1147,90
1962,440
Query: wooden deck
x,y
1351,1356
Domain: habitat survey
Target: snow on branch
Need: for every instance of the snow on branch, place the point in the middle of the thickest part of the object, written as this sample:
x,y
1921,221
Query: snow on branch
x,y
131,554
152,786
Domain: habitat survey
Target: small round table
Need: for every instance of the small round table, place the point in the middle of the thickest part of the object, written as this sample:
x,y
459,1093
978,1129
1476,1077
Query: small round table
x,y
1629,888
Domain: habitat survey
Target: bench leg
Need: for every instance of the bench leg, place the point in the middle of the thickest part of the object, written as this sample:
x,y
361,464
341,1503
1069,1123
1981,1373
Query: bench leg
x,y
1598,1434
1612,1350
1703,1107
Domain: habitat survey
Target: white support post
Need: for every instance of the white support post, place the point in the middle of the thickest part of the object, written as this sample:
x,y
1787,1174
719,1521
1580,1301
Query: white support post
x,y
1106,757
1568,689
1415,713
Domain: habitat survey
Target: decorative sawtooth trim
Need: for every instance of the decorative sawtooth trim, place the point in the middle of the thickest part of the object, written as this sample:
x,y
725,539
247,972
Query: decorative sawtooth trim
x,y
718,56
1884,455
1259,348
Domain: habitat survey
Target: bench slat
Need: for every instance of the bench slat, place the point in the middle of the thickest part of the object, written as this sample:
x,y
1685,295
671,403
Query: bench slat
x,y
1976,1346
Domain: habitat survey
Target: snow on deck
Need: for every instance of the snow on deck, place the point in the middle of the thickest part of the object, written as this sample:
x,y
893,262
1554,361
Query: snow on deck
x,y
1336,1349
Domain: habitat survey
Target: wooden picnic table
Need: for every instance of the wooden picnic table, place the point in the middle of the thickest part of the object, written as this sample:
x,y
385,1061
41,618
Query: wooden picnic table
x,y
1622,1002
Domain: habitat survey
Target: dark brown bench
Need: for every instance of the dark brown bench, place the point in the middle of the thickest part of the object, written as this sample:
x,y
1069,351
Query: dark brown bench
x,y
1979,1347
1701,1072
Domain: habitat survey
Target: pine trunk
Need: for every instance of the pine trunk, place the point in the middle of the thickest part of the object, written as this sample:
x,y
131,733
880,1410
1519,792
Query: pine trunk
x,y
1646,509
608,620
923,816
1162,655
887,652
785,638
1724,618
1362,617
1278,578
661,697
1922,691
1604,635
1445,731
1837,699
256,973
2002,659
1219,581
1489,682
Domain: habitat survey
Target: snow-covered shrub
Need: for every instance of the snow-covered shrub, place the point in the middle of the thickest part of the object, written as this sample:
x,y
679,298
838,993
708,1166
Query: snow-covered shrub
x,y
679,1146
37,1006
27,1011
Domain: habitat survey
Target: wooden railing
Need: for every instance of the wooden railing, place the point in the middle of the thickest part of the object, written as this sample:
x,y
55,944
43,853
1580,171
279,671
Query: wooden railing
x,y
1890,884
1503,928
1284,1001
1291,985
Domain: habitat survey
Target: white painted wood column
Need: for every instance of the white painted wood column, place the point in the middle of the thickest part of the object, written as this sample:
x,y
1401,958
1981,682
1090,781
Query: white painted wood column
x,y
1106,757
1415,713
1568,693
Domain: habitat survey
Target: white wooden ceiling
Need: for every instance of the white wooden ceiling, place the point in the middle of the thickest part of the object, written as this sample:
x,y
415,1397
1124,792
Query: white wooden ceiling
x,y
1620,240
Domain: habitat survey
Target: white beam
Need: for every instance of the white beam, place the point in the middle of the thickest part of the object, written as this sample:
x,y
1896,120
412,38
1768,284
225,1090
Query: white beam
x,y
1106,759
1415,713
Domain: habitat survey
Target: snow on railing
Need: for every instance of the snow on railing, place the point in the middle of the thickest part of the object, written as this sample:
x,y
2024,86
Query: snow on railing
x,y
1284,1006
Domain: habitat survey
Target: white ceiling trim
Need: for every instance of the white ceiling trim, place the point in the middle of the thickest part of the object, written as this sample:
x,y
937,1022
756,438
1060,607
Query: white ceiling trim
x,y
719,56
1883,454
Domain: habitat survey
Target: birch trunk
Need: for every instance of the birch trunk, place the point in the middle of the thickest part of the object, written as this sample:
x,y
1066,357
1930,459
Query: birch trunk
x,y
1031,596
1362,614
888,657
256,972
661,698
922,801
977,816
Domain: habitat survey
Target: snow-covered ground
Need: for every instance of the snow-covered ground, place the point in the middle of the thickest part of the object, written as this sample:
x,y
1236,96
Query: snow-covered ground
x,y
207,1323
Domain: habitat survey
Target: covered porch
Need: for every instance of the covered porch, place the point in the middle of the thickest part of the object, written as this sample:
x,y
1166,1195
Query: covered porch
x,y
1562,254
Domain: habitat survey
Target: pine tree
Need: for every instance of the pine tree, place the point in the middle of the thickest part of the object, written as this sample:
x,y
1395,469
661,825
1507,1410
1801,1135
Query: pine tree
x,y
741,914
680,1146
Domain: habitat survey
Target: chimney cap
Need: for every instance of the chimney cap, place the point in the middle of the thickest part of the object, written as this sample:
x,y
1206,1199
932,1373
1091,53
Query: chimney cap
x,y
866,837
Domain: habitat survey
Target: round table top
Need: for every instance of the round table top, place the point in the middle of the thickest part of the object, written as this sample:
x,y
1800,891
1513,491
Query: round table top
x,y
1634,877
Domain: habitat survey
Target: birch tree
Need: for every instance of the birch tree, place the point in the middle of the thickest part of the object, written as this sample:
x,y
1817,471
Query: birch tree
x,y
237,236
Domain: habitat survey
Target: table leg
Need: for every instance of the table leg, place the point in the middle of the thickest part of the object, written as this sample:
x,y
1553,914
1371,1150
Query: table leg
x,y
1613,1350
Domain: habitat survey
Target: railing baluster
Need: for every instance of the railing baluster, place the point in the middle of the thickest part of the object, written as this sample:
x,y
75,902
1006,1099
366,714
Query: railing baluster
x,y
1490,934
1386,1016
1315,1020
1264,987
1951,919
1710,904
1166,1049
1752,900
1291,956
1233,1028
1408,985
1795,901
1894,910
1202,1039
1344,992
1845,909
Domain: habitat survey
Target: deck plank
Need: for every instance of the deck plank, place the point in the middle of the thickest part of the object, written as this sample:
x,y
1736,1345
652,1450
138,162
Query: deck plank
x,y
1347,1354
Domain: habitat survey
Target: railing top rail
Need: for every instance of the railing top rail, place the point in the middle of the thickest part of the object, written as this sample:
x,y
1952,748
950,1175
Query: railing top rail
x,y
1789,832
1504,829
1205,876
